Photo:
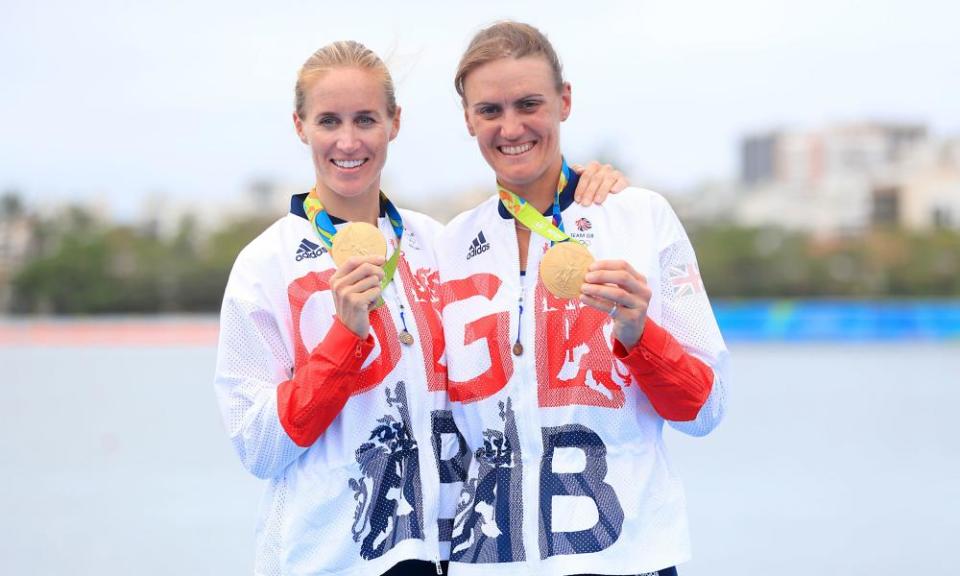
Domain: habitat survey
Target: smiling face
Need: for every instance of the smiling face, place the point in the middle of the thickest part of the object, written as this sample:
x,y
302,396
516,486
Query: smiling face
x,y
348,128
513,108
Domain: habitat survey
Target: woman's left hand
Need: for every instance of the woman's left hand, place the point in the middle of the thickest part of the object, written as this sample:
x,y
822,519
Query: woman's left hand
x,y
596,181
615,288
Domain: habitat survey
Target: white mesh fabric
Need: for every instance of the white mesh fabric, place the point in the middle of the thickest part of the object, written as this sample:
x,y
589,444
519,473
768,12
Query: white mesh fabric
x,y
251,362
272,513
687,316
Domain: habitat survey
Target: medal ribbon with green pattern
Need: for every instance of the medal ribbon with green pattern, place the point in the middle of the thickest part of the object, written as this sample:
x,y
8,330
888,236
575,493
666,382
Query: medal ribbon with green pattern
x,y
526,214
317,214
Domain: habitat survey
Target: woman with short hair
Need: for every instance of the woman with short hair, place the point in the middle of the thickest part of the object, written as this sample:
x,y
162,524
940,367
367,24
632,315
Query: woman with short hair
x,y
570,341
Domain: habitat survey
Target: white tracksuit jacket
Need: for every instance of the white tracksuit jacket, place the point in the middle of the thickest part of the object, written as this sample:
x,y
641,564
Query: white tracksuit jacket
x,y
363,496
567,469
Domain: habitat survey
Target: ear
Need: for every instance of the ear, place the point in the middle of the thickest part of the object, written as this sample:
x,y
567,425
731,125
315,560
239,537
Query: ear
x,y
565,101
298,125
466,118
395,124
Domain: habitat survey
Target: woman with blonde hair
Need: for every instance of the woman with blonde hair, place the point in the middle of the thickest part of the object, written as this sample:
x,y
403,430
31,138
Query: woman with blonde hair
x,y
571,340
330,373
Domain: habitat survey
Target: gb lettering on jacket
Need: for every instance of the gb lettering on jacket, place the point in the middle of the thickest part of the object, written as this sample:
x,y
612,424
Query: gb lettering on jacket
x,y
574,361
421,292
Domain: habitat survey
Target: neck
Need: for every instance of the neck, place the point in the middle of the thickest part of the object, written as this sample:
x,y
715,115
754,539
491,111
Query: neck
x,y
542,191
363,208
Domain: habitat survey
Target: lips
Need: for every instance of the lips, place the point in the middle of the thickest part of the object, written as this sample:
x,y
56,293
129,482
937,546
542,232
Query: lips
x,y
516,150
349,164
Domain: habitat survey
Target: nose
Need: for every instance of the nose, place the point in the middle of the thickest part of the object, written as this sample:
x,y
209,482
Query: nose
x,y
511,126
348,141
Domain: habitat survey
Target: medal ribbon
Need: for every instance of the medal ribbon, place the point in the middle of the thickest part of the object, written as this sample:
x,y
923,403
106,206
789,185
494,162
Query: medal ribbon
x,y
526,214
317,214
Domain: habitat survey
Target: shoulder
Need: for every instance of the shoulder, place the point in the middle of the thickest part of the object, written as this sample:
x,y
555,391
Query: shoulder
x,y
466,222
642,205
422,224
262,254
655,210
266,245
637,200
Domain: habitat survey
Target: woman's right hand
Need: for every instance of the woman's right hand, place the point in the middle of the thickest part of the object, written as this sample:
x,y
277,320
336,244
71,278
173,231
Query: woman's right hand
x,y
596,182
356,289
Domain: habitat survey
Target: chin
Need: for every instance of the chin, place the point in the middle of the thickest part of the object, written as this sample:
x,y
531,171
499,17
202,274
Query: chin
x,y
351,191
517,176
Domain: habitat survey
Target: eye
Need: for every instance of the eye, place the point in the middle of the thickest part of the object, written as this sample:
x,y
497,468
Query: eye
x,y
365,121
528,105
328,121
488,110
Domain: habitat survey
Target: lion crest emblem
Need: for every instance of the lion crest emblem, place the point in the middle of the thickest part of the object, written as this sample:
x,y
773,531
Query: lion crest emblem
x,y
487,523
389,498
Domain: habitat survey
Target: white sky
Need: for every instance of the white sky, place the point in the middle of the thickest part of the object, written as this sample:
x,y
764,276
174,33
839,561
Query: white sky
x,y
116,100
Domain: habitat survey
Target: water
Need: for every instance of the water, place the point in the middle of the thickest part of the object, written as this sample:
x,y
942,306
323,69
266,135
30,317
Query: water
x,y
114,462
834,459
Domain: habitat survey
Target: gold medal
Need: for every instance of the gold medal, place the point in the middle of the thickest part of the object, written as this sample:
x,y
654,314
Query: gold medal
x,y
357,239
563,268
517,348
406,338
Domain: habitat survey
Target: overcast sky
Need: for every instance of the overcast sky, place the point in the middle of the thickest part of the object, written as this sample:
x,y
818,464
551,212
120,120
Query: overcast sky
x,y
115,99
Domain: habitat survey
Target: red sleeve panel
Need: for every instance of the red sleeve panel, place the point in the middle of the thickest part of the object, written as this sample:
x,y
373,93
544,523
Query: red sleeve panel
x,y
308,402
676,383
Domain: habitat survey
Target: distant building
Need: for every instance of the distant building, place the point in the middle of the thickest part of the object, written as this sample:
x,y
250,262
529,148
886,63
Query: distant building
x,y
926,193
758,155
843,179
808,158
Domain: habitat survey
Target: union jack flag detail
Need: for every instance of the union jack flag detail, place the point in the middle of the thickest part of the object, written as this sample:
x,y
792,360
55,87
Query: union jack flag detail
x,y
685,279
583,224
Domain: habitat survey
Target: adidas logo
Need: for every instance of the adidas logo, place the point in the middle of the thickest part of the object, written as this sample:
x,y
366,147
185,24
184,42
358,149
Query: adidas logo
x,y
478,246
308,249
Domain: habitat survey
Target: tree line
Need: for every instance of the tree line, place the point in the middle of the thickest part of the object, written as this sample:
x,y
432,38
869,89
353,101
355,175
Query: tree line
x,y
79,265
882,263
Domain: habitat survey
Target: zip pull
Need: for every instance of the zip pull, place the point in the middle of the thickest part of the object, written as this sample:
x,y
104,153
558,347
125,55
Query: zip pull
x,y
517,346
436,562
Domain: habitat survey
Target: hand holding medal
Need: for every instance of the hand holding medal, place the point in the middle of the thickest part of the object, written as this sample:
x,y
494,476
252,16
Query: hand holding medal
x,y
615,288
357,239
568,271
359,250
356,288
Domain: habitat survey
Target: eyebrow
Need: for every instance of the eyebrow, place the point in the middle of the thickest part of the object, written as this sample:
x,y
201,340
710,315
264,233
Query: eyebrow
x,y
535,95
357,113
482,104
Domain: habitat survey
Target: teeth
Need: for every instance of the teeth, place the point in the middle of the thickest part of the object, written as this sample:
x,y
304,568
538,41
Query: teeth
x,y
348,163
514,150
